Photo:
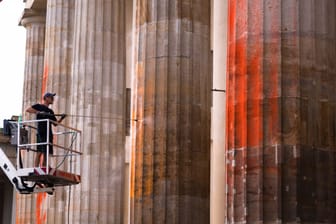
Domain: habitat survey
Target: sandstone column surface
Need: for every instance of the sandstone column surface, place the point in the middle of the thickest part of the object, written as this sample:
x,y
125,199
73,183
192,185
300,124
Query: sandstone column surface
x,y
171,173
281,112
34,22
57,79
97,108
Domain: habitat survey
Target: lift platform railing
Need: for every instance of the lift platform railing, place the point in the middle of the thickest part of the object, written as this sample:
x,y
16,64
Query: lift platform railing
x,y
31,176
66,146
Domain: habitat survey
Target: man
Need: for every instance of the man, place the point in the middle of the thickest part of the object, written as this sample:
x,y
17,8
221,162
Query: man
x,y
43,111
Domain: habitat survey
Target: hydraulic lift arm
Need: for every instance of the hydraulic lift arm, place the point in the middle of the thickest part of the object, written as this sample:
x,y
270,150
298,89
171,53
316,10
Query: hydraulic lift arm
x,y
11,173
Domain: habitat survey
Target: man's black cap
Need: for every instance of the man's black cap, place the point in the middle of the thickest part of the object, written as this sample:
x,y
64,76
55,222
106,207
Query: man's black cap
x,y
49,95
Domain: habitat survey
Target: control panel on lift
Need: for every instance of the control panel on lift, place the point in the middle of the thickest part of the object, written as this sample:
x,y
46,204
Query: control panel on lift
x,y
44,161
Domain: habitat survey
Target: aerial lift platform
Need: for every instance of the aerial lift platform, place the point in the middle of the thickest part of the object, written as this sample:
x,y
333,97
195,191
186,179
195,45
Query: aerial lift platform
x,y
61,169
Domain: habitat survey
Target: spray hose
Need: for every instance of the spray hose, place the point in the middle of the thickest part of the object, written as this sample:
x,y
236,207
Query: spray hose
x,y
93,117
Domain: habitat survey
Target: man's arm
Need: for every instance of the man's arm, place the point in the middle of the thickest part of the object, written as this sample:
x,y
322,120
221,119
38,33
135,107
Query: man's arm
x,y
59,120
62,118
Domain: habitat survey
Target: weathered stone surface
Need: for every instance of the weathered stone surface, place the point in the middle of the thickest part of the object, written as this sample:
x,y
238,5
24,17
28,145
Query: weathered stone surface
x,y
281,111
172,105
97,104
34,22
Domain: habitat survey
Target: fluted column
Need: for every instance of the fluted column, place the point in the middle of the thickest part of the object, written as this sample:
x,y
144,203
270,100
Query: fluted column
x,y
34,22
58,51
172,107
97,102
57,78
281,112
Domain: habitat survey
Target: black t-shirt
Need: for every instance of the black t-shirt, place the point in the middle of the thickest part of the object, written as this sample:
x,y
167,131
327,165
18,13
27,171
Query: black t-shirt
x,y
49,114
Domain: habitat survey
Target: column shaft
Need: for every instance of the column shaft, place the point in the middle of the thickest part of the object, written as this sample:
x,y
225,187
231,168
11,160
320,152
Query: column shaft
x,y
281,111
97,102
172,105
33,73
57,76
34,22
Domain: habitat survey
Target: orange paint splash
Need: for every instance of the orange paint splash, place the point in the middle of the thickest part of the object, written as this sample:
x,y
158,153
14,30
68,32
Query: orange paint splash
x,y
18,218
230,107
44,81
230,72
244,99
41,215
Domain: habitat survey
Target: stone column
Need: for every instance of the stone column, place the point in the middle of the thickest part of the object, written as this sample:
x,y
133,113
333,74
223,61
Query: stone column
x,y
57,79
172,106
98,109
281,112
34,22
317,108
58,52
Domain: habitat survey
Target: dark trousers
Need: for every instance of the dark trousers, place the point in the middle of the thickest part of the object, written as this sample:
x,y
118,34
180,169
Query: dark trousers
x,y
42,137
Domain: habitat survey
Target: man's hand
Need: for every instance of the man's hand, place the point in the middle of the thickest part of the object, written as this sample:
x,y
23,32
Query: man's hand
x,y
62,117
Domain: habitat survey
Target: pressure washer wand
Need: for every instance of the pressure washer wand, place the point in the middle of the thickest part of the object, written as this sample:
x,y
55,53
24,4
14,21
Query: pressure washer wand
x,y
94,117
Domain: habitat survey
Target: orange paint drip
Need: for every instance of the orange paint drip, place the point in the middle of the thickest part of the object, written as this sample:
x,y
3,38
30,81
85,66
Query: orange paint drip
x,y
18,218
41,215
241,94
230,107
230,72
240,109
137,126
255,109
44,81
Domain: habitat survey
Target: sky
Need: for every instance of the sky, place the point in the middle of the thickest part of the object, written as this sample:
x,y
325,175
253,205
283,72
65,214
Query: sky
x,y
12,58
